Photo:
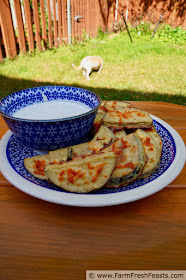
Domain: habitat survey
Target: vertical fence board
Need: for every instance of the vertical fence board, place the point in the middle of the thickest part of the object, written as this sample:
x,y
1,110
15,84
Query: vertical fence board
x,y
97,23
37,24
60,26
83,19
75,22
87,17
55,24
90,17
94,17
43,24
77,13
88,21
80,22
72,17
29,24
84,14
20,27
7,29
50,39
64,21
91,11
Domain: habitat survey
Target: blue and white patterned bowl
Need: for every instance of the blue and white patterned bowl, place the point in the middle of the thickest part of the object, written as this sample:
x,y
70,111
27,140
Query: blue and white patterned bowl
x,y
50,134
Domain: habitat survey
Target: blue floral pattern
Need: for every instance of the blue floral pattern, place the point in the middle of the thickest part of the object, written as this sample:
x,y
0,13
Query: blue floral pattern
x,y
16,152
50,135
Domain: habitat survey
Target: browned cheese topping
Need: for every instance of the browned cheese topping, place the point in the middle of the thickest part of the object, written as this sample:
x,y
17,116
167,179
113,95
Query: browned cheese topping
x,y
39,166
148,143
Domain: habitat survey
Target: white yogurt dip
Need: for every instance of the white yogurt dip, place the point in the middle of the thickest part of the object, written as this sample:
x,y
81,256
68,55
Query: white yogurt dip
x,y
50,110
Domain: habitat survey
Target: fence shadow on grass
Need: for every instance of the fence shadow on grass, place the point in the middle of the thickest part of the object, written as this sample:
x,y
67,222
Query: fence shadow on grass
x,y
10,85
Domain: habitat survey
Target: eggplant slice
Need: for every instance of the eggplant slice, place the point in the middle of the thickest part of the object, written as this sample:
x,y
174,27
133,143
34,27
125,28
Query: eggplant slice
x,y
128,117
84,174
120,133
152,152
130,160
154,134
112,105
36,165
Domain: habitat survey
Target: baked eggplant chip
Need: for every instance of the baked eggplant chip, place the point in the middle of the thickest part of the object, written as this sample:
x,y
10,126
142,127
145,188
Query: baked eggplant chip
x,y
104,133
81,150
120,133
102,108
103,137
63,154
130,160
152,152
99,117
128,117
36,165
98,121
84,174
154,134
112,105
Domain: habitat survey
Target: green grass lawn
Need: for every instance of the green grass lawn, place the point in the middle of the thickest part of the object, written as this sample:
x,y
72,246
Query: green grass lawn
x,y
143,70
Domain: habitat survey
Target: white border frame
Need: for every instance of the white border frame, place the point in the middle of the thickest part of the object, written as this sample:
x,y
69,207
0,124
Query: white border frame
x,y
92,200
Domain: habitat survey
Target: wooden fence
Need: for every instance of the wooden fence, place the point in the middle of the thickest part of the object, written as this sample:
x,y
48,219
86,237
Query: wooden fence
x,y
42,24
26,25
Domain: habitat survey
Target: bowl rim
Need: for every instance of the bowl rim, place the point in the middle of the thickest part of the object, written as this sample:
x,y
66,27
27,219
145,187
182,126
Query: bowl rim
x,y
50,120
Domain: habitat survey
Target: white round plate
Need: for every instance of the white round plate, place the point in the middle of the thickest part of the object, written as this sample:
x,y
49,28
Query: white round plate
x,y
173,159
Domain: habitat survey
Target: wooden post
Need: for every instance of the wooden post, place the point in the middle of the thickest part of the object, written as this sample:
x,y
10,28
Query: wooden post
x,y
75,22
97,23
50,38
64,20
37,24
60,21
69,21
88,17
43,24
72,16
29,25
84,16
20,27
7,29
81,20
91,3
78,23
55,24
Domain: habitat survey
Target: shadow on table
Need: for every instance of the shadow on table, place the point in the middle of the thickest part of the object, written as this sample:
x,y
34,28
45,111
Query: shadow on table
x,y
10,85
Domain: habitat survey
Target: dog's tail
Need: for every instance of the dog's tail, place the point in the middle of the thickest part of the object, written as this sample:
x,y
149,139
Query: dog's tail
x,y
76,67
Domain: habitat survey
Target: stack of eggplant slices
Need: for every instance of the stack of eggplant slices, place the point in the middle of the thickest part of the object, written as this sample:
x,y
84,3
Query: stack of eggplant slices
x,y
124,147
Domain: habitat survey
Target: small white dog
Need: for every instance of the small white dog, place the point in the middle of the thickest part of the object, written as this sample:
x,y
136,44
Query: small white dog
x,y
88,64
